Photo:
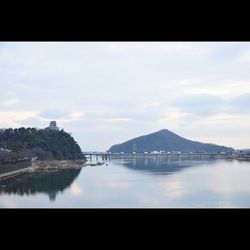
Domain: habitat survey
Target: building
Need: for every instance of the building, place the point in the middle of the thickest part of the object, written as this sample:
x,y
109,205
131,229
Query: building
x,y
5,150
53,126
242,151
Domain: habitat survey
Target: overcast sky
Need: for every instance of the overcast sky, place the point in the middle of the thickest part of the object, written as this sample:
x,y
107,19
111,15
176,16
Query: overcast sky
x,y
105,93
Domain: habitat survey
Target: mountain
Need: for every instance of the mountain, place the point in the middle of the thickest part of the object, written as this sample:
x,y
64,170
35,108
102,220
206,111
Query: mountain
x,y
165,140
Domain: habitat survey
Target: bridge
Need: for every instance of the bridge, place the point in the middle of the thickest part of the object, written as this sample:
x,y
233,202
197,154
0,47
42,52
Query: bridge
x,y
108,156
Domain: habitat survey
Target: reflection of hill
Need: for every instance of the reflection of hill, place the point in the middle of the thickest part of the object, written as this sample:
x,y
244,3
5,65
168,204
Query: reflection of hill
x,y
50,183
161,166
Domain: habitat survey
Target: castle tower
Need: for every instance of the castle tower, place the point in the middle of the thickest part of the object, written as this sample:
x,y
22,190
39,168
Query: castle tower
x,y
53,126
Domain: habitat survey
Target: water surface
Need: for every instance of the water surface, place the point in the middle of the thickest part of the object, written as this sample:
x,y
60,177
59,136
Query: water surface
x,y
135,183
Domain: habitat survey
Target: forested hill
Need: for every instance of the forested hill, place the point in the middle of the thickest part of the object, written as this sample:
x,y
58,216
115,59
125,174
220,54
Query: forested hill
x,y
167,141
45,143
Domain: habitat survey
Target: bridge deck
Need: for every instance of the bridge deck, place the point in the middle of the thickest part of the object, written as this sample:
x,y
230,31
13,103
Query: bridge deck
x,y
163,154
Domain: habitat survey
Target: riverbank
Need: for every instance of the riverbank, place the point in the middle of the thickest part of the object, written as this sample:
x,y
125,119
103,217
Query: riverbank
x,y
43,166
63,164
243,158
58,164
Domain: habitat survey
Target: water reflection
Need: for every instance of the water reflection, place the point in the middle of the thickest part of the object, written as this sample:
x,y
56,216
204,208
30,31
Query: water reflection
x,y
161,165
136,183
50,183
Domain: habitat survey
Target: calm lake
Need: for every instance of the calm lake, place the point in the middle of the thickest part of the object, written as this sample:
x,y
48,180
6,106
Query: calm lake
x,y
135,183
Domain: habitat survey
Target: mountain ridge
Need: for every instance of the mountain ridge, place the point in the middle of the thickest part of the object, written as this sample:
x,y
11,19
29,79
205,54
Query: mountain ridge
x,y
165,140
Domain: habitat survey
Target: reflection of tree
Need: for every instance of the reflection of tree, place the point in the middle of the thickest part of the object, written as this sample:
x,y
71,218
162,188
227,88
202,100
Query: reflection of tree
x,y
52,196
160,165
50,183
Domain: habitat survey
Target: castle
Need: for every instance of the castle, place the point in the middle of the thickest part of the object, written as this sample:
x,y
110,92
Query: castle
x,y
53,126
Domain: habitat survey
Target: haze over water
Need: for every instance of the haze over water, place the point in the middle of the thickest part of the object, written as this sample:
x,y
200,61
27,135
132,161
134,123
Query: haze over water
x,y
136,183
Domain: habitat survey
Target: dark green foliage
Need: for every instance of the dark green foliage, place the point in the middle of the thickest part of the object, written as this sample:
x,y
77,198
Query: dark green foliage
x,y
45,143
167,141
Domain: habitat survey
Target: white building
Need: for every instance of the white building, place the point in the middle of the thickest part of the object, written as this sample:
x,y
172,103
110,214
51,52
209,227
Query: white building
x,y
5,150
53,126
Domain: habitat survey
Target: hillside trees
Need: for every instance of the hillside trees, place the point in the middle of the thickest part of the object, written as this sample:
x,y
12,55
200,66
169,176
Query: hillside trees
x,y
45,143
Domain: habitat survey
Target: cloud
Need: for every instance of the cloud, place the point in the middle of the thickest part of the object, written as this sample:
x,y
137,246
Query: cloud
x,y
115,120
199,104
228,52
60,116
76,115
9,102
244,56
226,88
13,119
54,114
34,122
112,91
240,103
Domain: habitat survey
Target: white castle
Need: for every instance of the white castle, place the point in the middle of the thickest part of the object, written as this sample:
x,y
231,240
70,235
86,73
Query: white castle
x,y
53,126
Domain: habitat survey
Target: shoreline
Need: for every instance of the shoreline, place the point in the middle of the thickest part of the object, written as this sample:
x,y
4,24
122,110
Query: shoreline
x,y
47,166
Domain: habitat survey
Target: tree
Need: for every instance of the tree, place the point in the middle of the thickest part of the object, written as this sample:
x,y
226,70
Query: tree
x,y
45,143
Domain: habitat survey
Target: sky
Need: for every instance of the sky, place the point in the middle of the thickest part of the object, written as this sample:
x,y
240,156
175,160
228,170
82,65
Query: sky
x,y
105,93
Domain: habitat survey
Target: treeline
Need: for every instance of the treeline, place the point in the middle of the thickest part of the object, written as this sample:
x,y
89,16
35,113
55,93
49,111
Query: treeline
x,y
47,144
